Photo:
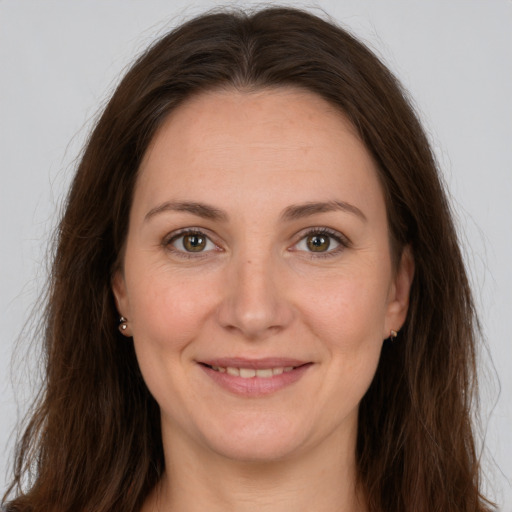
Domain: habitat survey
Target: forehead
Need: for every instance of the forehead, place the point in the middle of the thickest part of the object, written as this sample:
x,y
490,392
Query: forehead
x,y
285,140
284,117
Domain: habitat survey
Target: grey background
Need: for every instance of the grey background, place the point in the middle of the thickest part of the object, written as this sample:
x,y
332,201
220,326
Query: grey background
x,y
59,61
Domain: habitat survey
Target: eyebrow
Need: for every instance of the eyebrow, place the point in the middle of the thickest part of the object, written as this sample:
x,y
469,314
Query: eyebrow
x,y
199,209
293,212
300,211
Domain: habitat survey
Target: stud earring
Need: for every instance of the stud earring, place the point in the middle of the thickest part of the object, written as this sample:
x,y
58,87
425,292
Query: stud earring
x,y
123,324
392,335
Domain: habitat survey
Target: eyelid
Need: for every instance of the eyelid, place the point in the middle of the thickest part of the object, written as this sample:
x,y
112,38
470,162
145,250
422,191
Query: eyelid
x,y
342,240
170,238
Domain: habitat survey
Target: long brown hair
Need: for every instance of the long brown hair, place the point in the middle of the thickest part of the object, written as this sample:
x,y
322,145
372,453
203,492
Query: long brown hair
x,y
93,440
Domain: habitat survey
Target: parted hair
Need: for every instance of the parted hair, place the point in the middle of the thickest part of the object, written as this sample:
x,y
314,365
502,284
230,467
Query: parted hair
x,y
92,440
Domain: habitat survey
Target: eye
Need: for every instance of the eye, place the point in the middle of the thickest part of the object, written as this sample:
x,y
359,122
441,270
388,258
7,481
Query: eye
x,y
318,243
191,242
322,241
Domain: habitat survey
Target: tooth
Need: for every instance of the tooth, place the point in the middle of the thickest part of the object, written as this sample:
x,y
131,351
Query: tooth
x,y
267,372
248,373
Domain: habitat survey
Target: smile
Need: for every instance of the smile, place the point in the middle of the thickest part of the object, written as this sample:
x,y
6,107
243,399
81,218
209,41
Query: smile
x,y
249,373
255,378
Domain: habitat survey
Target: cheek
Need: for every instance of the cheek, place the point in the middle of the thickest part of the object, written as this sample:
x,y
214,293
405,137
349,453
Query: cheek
x,y
348,309
168,309
168,315
351,326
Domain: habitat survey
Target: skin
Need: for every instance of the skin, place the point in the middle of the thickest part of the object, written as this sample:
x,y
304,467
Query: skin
x,y
258,290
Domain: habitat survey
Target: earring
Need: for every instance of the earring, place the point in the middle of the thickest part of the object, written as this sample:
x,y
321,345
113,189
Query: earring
x,y
392,335
123,324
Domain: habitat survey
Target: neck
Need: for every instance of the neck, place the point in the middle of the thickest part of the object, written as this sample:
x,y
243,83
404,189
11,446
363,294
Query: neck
x,y
321,479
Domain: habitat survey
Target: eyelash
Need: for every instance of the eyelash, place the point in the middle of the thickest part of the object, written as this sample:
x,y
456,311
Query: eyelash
x,y
339,238
175,236
342,240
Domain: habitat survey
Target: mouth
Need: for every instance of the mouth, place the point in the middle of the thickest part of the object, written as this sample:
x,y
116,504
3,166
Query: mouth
x,y
255,377
250,373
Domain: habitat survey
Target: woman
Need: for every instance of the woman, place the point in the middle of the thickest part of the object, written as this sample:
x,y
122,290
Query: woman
x,y
258,300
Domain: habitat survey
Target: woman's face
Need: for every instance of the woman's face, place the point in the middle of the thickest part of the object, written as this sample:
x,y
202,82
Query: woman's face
x,y
257,277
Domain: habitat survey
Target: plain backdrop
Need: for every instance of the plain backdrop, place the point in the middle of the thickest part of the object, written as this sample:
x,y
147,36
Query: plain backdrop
x,y
59,61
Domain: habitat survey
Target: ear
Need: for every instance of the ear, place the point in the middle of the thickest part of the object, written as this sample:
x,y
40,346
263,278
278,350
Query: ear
x,y
398,300
121,298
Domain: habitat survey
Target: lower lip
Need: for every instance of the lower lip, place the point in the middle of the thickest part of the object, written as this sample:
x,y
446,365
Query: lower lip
x,y
256,386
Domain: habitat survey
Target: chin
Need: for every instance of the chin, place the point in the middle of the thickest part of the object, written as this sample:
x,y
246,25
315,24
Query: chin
x,y
258,451
258,442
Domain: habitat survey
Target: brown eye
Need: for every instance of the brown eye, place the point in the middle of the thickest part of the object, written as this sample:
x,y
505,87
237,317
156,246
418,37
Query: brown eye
x,y
194,242
318,243
322,242
191,242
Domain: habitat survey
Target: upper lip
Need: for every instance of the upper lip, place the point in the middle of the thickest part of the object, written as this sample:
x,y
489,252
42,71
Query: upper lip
x,y
256,364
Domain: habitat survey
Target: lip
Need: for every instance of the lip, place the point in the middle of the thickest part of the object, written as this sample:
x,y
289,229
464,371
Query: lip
x,y
255,386
255,364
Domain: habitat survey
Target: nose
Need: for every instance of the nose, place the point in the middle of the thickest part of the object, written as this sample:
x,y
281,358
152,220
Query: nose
x,y
255,304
